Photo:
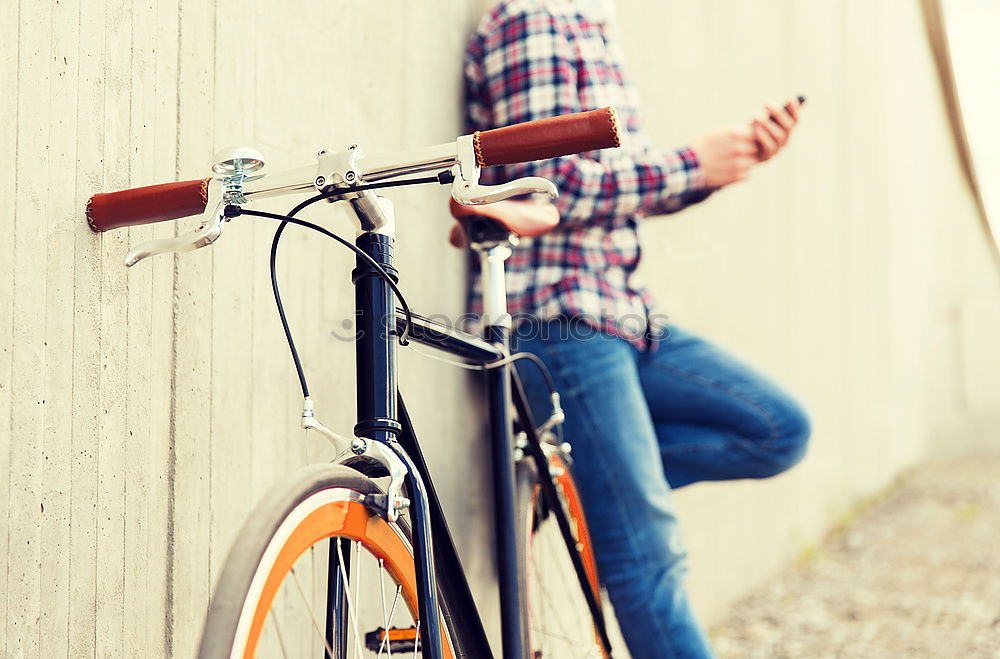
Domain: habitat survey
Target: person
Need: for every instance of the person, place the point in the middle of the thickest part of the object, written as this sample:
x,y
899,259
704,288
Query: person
x,y
649,408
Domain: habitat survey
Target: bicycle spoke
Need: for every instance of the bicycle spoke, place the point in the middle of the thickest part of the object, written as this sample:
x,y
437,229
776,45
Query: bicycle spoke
x,y
357,595
572,584
385,617
563,568
547,597
555,620
281,639
561,637
351,611
392,609
312,614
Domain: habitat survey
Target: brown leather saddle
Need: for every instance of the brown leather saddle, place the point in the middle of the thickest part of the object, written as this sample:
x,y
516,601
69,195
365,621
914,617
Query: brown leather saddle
x,y
523,218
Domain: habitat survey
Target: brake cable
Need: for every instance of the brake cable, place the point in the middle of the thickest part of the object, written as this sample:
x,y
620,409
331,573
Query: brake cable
x,y
233,211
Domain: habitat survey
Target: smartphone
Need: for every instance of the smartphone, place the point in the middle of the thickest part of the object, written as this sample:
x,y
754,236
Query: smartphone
x,y
801,99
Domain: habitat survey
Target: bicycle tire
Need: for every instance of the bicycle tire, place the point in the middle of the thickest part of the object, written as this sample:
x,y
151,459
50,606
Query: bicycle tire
x,y
548,565
323,503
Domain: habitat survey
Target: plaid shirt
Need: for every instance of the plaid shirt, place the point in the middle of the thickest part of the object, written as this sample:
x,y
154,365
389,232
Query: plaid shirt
x,y
531,59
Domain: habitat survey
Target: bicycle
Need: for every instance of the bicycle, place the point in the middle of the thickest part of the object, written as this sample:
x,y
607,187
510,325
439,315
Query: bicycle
x,y
308,534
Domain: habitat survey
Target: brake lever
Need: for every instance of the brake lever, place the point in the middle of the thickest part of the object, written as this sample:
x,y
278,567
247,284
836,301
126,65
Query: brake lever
x,y
466,189
212,221
474,194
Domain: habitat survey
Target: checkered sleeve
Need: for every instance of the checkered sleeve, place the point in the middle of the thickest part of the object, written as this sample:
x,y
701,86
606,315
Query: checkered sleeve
x,y
530,71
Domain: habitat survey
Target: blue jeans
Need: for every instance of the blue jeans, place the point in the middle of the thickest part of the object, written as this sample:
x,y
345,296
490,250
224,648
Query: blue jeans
x,y
644,423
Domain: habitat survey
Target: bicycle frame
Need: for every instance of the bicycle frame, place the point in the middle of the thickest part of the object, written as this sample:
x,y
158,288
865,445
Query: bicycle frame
x,y
382,417
383,426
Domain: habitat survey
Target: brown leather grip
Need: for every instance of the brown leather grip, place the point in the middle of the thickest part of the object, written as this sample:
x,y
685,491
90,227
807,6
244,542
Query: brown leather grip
x,y
548,138
153,203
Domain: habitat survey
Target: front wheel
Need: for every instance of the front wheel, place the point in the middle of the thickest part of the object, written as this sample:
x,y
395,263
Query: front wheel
x,y
314,572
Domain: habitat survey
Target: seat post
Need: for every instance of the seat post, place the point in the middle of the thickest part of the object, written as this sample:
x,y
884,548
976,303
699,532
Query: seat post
x,y
491,262
493,243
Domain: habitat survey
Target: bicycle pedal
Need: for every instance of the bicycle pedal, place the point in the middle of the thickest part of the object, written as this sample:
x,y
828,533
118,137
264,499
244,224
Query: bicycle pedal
x,y
400,640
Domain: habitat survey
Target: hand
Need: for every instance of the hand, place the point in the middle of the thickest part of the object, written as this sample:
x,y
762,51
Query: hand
x,y
771,130
726,155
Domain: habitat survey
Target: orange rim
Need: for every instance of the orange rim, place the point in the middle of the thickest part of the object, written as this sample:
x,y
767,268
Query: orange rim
x,y
575,506
347,519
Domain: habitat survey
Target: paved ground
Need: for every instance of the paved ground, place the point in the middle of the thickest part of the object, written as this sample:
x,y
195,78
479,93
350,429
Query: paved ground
x,y
915,576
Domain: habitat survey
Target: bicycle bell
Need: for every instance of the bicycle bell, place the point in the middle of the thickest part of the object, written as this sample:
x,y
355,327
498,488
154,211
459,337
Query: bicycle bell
x,y
237,160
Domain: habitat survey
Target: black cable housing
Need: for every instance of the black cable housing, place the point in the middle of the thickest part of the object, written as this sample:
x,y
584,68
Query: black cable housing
x,y
444,179
346,243
542,368
233,211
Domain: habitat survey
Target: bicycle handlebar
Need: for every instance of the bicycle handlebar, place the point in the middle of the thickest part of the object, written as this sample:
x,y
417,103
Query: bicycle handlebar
x,y
524,142
547,138
145,205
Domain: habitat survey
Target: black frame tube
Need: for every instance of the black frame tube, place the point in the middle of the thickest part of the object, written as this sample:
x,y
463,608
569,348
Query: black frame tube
x,y
501,435
375,342
450,340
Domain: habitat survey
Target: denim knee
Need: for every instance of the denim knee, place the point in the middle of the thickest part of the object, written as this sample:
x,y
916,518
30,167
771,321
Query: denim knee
x,y
789,439
636,579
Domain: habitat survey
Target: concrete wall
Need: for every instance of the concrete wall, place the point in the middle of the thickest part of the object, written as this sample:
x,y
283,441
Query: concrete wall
x,y
853,267
145,411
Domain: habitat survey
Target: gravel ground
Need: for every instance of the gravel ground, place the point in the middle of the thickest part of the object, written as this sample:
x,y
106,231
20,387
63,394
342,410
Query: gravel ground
x,y
915,575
